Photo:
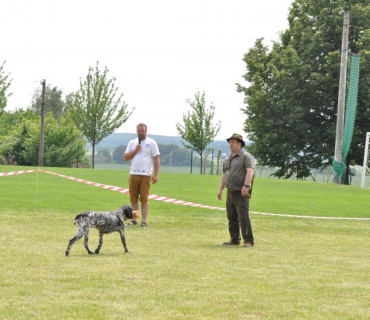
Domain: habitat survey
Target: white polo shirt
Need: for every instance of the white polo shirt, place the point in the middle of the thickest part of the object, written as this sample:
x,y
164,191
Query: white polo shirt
x,y
142,163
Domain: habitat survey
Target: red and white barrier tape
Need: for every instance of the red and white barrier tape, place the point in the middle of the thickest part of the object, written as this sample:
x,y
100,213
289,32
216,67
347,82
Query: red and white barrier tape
x,y
170,200
4,174
123,190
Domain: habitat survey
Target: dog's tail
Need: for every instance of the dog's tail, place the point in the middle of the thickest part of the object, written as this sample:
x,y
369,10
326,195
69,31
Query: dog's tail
x,y
83,214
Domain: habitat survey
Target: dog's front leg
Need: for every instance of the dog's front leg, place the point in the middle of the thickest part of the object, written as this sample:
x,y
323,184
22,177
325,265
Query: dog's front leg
x,y
86,242
123,239
100,242
78,236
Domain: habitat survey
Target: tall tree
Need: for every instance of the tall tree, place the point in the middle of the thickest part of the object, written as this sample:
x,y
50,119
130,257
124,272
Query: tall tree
x,y
198,131
117,155
20,137
68,101
63,143
95,108
53,102
14,129
4,86
291,100
219,153
103,156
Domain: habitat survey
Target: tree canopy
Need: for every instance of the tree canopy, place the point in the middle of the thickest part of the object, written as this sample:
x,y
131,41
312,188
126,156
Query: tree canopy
x,y
14,129
291,100
197,130
96,110
53,102
4,86
20,139
63,143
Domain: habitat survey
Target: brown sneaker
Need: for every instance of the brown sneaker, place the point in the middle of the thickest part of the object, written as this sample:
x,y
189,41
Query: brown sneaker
x,y
248,245
231,243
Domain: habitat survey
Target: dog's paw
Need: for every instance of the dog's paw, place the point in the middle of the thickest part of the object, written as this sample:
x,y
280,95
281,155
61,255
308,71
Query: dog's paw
x,y
97,251
67,253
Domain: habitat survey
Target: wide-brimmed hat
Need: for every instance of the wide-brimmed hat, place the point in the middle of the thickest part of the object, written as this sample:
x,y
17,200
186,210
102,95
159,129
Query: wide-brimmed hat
x,y
237,137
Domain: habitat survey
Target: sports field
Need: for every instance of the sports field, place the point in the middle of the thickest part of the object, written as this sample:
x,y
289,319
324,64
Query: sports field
x,y
300,268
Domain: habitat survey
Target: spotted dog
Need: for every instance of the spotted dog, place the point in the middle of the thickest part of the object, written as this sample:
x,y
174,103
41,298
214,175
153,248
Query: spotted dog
x,y
105,222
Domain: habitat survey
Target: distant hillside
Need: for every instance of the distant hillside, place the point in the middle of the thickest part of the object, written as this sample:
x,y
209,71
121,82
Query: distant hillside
x,y
122,139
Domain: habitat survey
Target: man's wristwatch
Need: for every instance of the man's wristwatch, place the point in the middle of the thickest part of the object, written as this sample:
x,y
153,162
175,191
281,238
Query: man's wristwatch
x,y
247,186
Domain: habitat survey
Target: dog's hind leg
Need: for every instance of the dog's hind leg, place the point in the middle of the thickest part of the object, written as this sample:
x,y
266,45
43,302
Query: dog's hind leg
x,y
86,242
77,237
100,242
123,239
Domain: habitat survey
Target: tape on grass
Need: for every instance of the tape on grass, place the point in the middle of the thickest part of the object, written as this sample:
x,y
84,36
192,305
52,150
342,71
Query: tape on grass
x,y
4,174
170,200
123,190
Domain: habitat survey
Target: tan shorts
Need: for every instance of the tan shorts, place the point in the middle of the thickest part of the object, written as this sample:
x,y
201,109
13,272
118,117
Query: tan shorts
x,y
139,185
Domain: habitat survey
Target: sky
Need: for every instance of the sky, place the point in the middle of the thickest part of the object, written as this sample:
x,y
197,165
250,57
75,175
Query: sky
x,y
160,52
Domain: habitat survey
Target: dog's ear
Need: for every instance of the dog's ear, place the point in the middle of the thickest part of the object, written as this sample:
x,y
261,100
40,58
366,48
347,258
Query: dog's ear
x,y
126,211
135,214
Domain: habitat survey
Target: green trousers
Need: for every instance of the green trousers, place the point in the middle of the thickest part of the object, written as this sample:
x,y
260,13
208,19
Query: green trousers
x,y
238,215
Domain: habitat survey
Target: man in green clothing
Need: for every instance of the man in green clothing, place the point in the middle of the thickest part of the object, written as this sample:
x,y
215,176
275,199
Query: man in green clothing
x,y
237,177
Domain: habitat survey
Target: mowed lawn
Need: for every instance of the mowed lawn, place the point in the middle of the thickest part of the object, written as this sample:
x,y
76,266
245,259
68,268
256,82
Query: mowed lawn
x,y
177,268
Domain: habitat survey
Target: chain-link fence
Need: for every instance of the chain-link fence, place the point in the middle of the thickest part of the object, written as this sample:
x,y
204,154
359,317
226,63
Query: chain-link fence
x,y
318,175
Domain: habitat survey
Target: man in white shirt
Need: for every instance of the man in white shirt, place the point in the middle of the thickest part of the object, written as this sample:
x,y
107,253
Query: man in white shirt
x,y
143,153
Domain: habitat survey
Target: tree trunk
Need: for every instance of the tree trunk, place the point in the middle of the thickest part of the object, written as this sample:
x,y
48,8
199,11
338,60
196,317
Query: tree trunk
x,y
201,163
205,164
191,162
93,156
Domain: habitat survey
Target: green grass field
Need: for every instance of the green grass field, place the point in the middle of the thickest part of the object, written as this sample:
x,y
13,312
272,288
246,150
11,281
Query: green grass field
x,y
260,172
177,267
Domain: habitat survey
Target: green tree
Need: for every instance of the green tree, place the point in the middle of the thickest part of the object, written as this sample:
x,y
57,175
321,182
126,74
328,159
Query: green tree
x,y
174,155
181,157
14,129
198,131
291,100
212,161
117,155
53,102
219,153
96,111
68,101
103,156
4,86
62,143
167,151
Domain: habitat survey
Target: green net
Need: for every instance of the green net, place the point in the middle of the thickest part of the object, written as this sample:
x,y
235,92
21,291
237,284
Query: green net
x,y
339,167
351,105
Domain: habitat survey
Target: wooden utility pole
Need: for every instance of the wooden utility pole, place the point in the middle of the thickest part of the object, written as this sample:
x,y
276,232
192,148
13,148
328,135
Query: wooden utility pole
x,y
342,90
41,148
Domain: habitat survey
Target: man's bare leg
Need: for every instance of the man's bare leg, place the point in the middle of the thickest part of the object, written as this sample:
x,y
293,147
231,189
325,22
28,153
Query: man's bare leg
x,y
144,210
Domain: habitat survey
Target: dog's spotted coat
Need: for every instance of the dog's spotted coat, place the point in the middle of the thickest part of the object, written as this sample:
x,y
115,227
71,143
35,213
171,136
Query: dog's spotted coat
x,y
105,222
